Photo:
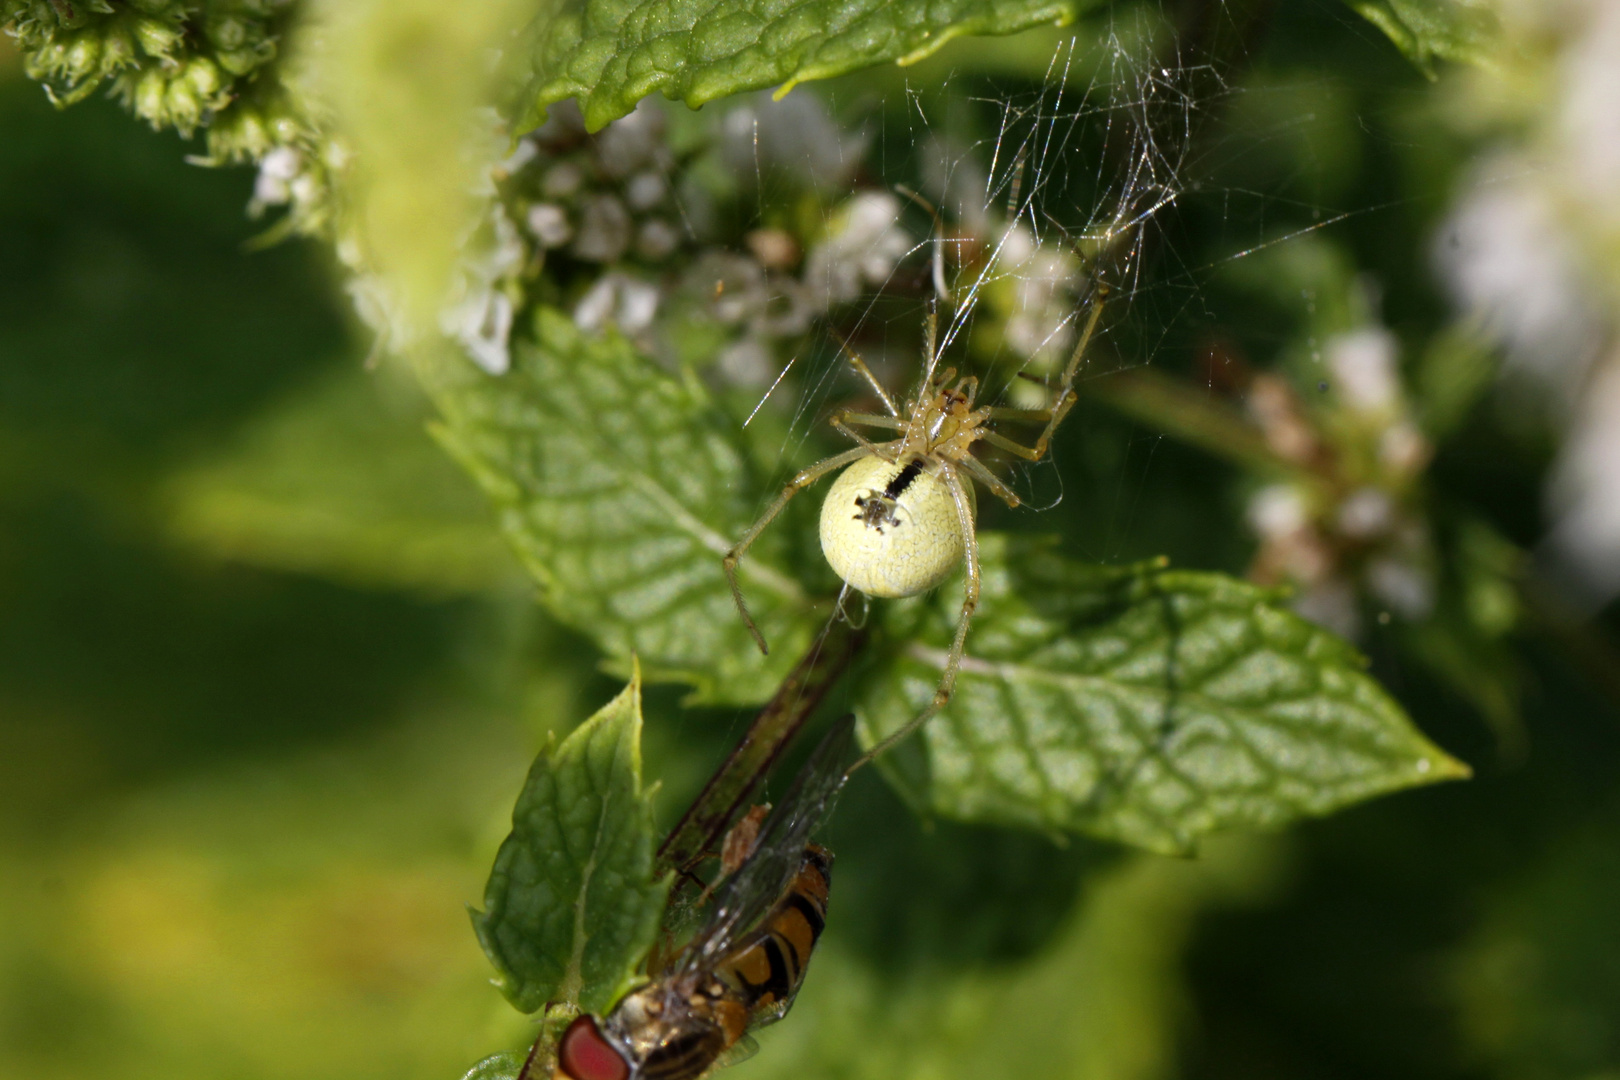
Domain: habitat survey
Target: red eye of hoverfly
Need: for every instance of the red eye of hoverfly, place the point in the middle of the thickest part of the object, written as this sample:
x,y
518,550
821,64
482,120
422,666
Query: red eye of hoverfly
x,y
585,1054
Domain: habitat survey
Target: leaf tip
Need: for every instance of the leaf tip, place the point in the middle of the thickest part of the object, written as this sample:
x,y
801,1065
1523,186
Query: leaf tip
x,y
1439,767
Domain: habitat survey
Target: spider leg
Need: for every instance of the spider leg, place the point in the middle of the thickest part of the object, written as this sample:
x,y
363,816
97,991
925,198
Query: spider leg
x,y
1066,394
1033,416
866,373
925,389
1011,447
990,480
794,486
866,444
871,420
970,603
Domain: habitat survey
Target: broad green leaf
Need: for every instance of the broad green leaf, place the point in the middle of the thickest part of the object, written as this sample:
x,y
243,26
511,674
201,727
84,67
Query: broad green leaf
x,y
1430,30
612,53
343,481
504,1066
621,487
1138,704
572,906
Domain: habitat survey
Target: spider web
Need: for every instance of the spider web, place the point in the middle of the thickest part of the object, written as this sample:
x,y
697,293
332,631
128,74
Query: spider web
x,y
1055,182
1045,183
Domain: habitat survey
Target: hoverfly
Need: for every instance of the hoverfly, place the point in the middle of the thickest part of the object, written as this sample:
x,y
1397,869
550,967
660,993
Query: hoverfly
x,y
743,966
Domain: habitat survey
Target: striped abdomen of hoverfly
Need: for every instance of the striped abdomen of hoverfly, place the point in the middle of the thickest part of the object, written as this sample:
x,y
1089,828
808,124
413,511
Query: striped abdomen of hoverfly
x,y
768,966
678,1026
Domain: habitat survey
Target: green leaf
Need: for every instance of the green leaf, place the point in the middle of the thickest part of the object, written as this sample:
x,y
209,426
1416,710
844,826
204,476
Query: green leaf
x,y
621,488
572,906
1137,704
612,53
503,1066
343,481
1430,30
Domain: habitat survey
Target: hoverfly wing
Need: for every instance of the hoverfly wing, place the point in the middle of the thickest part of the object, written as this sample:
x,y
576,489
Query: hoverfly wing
x,y
739,1052
749,894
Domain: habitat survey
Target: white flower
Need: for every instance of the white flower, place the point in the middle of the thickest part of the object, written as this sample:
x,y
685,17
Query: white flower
x,y
1585,493
1507,260
1362,364
634,142
604,230
620,300
859,251
656,240
549,224
1276,511
277,169
794,135
562,180
482,322
1045,296
1403,585
645,190
480,316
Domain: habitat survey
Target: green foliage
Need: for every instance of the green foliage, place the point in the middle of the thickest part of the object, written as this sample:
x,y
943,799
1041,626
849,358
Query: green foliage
x,y
232,769
1138,704
621,487
343,481
505,1066
1431,30
571,906
1537,977
174,63
612,53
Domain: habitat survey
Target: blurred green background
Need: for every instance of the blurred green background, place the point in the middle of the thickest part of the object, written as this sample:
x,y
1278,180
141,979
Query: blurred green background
x,y
269,681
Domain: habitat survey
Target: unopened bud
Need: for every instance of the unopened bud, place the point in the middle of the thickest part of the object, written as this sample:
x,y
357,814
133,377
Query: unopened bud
x,y
227,32
185,108
147,98
157,39
117,48
245,129
239,61
82,58
203,77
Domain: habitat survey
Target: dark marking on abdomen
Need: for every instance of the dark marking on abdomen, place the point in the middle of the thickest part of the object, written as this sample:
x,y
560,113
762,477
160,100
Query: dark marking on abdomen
x,y
903,479
778,985
811,915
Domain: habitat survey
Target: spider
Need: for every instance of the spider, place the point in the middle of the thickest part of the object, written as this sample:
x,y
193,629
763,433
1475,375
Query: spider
x,y
899,519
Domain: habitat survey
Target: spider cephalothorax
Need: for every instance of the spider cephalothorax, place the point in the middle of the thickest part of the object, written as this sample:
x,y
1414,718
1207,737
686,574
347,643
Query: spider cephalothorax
x,y
900,517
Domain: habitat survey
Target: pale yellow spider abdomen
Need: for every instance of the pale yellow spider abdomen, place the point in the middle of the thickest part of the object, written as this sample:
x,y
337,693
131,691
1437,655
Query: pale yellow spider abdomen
x,y
889,539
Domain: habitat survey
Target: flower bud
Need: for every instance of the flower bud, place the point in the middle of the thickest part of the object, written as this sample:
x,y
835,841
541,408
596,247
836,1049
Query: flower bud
x,y
147,97
227,32
203,77
117,48
157,38
82,58
185,108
